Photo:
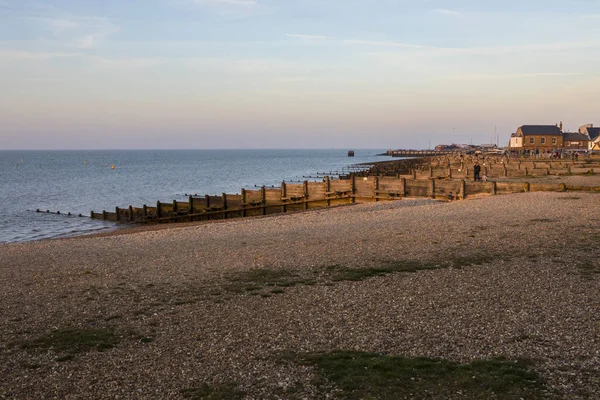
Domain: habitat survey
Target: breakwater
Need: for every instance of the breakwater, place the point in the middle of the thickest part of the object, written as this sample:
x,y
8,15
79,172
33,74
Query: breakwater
x,y
445,178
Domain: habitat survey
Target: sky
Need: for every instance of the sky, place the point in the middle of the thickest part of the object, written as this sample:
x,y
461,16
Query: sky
x,y
380,74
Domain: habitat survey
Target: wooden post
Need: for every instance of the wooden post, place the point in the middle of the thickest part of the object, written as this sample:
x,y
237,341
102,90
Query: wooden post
x,y
117,212
282,196
505,170
431,172
158,210
191,204
432,188
305,195
353,188
263,195
207,199
130,213
243,202
144,212
403,188
494,188
526,187
224,205
104,216
327,190
449,172
175,206
463,189
92,215
467,172
414,173
526,171
376,189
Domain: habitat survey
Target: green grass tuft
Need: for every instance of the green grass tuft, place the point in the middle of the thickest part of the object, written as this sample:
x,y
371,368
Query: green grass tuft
x,y
74,341
541,220
372,376
228,391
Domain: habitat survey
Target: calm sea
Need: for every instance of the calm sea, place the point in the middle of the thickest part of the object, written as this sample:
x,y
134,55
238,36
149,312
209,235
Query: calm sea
x,y
80,181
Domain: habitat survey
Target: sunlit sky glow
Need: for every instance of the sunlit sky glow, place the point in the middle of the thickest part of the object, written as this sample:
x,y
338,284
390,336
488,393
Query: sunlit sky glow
x,y
85,74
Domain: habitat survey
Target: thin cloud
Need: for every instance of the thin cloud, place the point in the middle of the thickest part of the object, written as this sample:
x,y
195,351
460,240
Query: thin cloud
x,y
511,76
492,50
17,55
86,42
127,63
77,31
302,36
483,50
230,2
445,11
387,44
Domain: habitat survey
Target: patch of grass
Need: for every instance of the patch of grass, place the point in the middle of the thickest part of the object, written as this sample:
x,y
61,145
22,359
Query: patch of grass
x,y
339,273
255,281
67,357
264,282
226,391
265,276
74,341
589,268
31,365
360,375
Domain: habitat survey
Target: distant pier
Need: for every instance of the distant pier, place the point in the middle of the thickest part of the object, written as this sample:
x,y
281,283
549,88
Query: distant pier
x,y
417,153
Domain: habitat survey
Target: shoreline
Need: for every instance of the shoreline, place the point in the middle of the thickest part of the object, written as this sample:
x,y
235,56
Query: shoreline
x,y
503,278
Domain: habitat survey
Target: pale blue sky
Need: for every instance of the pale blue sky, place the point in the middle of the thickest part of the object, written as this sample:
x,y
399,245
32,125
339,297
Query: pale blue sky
x,y
292,74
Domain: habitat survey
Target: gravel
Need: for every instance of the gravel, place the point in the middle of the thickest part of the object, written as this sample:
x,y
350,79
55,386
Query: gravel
x,y
530,290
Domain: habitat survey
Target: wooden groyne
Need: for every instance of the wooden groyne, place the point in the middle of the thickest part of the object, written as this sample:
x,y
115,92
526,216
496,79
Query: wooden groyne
x,y
444,178
416,153
456,166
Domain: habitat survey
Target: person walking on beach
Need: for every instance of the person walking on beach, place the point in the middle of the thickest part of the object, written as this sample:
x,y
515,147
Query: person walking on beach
x,y
476,171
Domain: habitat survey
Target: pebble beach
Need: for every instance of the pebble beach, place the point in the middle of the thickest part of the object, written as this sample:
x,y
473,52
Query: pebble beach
x,y
515,276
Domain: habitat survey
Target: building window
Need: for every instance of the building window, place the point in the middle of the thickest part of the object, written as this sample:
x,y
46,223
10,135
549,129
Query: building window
x,y
531,140
553,140
543,140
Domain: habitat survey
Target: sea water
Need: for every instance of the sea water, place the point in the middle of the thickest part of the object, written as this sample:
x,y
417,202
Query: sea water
x,y
79,181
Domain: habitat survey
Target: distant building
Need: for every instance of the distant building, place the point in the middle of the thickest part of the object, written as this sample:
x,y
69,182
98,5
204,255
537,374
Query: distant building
x,y
543,138
593,135
575,141
537,138
453,147
516,142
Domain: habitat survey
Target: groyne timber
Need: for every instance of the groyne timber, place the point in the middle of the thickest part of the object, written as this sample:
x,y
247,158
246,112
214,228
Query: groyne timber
x,y
444,177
